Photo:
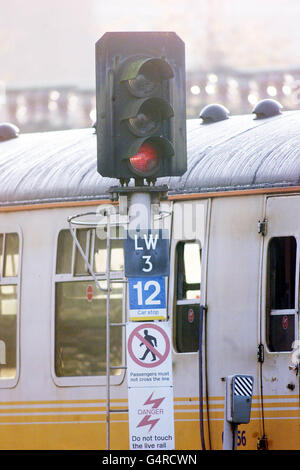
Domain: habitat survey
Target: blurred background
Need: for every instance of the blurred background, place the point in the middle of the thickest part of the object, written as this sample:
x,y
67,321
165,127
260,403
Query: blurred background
x,y
237,52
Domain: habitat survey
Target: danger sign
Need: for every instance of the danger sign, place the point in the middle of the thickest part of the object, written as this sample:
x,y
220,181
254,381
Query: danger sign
x,y
151,418
149,354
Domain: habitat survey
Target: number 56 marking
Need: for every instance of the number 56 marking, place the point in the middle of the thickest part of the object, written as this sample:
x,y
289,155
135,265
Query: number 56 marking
x,y
241,438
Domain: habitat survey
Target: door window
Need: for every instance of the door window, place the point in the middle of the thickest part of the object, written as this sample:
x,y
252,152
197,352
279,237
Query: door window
x,y
281,289
188,284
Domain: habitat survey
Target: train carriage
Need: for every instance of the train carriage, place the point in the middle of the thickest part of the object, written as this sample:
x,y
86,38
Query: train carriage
x,y
234,237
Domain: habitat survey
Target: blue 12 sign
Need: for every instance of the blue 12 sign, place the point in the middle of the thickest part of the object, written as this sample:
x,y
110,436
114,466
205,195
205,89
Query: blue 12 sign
x,y
147,298
147,266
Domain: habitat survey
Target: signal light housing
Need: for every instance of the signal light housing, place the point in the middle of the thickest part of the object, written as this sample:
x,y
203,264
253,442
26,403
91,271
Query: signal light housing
x,y
140,97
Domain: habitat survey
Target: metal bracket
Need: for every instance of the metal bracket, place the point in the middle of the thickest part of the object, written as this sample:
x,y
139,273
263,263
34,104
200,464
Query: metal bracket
x,y
260,353
157,192
262,443
262,227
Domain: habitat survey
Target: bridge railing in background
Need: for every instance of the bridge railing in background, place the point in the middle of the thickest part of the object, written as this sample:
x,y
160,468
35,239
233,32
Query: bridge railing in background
x,y
239,91
66,107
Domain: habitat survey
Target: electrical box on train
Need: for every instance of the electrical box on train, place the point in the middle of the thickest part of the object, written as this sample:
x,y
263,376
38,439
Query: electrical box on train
x,y
141,108
239,395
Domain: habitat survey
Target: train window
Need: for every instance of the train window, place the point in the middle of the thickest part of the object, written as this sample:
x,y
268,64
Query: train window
x,y
281,312
80,329
11,258
64,252
80,307
100,256
116,257
1,251
9,271
93,247
84,238
188,270
8,330
188,282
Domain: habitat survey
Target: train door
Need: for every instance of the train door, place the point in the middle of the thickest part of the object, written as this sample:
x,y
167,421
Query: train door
x,y
186,300
280,324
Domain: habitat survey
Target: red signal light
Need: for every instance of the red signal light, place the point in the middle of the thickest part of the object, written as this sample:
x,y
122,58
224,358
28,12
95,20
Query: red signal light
x,y
146,161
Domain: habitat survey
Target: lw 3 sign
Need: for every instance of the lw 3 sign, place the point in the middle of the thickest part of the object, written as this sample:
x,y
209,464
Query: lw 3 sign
x,y
147,267
146,253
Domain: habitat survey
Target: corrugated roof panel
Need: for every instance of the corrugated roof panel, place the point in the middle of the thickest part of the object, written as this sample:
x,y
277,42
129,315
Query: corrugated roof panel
x,y
240,152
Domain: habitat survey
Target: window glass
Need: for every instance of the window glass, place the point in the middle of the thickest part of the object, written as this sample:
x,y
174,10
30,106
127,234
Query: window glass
x,y
188,269
192,269
11,258
281,293
9,268
116,256
282,271
1,252
93,247
187,328
80,336
64,252
8,331
83,236
80,307
281,332
100,255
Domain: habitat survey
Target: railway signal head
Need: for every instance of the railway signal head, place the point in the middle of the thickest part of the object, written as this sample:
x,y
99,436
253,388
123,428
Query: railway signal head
x,y
140,96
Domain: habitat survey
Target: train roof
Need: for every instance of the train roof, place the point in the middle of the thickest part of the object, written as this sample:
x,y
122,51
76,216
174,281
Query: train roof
x,y
235,154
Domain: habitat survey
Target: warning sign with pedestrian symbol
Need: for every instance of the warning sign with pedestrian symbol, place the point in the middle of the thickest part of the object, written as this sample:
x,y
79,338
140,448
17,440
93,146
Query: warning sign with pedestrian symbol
x,y
149,359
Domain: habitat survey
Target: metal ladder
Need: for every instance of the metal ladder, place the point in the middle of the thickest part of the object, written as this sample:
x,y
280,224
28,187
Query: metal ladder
x,y
160,216
109,410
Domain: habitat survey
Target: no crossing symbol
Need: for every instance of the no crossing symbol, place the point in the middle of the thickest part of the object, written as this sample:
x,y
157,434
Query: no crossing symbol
x,y
150,385
151,345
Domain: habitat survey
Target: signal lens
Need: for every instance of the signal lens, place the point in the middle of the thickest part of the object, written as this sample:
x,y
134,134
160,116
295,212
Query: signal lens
x,y
146,161
142,86
147,121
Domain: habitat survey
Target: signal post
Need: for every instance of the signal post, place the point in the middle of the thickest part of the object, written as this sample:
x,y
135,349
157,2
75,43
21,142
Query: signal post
x,y
141,136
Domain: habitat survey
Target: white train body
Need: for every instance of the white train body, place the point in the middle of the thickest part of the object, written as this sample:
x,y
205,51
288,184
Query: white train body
x,y
243,217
